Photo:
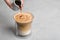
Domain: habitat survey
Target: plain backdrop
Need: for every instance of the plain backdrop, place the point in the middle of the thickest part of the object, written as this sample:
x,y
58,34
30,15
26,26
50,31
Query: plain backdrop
x,y
46,23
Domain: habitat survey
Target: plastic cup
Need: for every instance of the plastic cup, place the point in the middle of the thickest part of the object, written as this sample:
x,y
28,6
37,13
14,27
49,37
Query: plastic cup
x,y
23,23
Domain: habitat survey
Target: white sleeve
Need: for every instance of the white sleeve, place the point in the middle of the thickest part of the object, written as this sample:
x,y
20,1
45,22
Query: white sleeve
x,y
12,1
15,8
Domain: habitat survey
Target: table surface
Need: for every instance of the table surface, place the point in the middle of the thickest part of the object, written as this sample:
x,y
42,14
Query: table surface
x,y
46,23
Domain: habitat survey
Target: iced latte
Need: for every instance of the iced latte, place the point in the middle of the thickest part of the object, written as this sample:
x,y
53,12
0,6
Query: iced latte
x,y
23,21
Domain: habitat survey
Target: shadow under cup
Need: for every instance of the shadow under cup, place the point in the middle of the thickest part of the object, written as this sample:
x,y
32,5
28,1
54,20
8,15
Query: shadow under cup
x,y
23,28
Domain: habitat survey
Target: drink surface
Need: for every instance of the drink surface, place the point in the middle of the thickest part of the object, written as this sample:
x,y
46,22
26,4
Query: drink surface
x,y
23,17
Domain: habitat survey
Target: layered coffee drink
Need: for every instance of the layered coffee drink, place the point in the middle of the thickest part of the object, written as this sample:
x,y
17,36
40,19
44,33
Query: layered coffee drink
x,y
23,21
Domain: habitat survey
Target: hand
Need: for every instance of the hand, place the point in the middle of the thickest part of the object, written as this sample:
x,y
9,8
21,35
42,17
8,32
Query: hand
x,y
22,2
8,2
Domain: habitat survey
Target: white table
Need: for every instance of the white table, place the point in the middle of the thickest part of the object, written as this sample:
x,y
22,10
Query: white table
x,y
46,24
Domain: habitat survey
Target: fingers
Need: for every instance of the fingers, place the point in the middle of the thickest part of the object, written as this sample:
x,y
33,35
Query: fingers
x,y
22,2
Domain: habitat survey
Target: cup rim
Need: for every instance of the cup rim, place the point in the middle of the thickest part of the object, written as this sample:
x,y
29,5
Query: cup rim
x,y
26,13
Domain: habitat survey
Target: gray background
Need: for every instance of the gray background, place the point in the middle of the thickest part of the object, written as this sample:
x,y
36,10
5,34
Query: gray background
x,y
46,24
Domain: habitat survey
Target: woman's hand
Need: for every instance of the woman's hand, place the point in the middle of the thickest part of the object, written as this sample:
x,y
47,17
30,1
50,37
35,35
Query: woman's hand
x,y
8,2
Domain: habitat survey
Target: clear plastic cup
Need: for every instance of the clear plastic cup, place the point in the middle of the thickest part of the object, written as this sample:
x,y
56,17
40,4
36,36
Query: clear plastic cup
x,y
23,27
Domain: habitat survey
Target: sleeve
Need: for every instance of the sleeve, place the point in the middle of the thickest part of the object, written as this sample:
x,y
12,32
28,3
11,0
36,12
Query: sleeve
x,y
12,1
15,8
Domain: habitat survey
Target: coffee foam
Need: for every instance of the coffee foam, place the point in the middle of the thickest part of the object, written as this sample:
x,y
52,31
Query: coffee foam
x,y
23,17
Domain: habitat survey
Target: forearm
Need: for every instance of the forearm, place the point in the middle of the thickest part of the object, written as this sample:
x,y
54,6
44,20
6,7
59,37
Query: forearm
x,y
12,5
8,2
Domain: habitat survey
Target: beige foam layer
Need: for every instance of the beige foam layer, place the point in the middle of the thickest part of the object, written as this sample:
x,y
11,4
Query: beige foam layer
x,y
23,17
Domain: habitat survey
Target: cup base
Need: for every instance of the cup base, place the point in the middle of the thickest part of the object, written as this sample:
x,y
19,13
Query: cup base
x,y
20,33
